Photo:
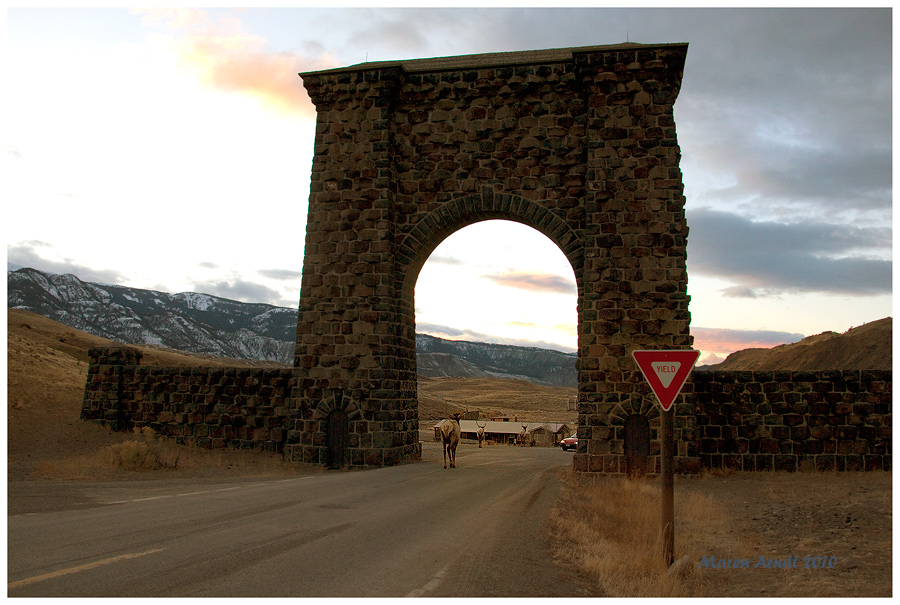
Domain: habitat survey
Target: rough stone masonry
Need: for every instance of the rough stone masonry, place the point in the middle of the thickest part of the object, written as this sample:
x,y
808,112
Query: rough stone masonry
x,y
578,143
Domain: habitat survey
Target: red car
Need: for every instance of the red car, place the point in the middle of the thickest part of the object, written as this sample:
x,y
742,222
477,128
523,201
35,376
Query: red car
x,y
569,443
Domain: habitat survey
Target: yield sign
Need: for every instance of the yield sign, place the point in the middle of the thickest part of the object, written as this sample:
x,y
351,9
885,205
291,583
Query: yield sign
x,y
666,372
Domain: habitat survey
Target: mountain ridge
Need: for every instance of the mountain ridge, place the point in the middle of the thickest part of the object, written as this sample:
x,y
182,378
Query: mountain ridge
x,y
210,325
204,324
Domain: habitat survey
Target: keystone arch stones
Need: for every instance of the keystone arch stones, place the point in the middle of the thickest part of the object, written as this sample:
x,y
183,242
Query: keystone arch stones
x,y
578,143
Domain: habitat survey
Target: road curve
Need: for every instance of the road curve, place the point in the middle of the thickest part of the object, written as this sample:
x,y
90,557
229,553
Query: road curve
x,y
415,530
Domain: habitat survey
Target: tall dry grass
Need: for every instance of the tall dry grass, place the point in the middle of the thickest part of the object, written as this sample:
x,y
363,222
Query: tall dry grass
x,y
610,530
146,454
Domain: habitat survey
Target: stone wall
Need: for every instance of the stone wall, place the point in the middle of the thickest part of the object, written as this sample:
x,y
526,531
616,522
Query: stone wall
x,y
603,450
789,421
220,407
214,407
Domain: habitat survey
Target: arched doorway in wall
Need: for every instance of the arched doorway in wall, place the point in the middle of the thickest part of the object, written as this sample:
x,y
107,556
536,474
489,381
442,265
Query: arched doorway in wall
x,y
500,282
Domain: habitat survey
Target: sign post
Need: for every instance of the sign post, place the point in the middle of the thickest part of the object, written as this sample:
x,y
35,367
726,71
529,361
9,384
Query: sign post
x,y
666,371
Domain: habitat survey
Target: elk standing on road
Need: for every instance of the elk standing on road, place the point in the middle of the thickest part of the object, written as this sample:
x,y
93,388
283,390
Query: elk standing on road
x,y
480,433
450,437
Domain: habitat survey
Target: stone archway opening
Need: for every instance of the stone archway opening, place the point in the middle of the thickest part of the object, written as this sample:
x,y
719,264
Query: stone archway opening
x,y
497,282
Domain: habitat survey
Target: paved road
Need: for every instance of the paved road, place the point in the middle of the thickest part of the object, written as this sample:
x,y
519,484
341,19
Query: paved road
x,y
413,530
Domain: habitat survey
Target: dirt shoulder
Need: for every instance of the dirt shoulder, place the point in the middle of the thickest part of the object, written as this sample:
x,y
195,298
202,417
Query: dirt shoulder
x,y
835,527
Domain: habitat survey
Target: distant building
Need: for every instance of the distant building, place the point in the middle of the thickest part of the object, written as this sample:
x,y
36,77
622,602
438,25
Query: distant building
x,y
545,434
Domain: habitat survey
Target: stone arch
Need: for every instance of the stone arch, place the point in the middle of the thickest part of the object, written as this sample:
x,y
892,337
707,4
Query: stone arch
x,y
336,422
336,401
578,143
457,214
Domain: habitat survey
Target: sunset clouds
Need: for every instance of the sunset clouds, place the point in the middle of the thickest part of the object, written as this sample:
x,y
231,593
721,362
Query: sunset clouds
x,y
224,56
534,282
723,341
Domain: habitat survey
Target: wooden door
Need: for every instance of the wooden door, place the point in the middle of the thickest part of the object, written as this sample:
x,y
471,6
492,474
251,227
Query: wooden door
x,y
337,439
637,444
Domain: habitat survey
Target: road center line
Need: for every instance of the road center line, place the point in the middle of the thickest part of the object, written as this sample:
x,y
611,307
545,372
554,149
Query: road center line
x,y
208,491
433,583
86,566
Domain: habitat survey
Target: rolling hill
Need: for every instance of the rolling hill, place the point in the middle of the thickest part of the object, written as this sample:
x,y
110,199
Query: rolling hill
x,y
865,347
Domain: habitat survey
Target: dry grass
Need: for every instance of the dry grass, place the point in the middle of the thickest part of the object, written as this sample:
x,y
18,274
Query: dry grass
x,y
145,454
610,530
439,397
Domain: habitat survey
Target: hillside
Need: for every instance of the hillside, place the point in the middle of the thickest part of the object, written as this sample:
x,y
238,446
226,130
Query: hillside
x,y
46,370
437,357
866,347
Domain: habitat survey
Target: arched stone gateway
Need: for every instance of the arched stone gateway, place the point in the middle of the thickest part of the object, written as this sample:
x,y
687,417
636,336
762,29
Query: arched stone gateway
x,y
577,143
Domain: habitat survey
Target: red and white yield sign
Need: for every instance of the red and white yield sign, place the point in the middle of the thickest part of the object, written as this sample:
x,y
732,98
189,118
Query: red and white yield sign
x,y
666,371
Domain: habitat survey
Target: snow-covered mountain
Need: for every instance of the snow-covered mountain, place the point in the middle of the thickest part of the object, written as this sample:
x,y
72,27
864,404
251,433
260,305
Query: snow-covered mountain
x,y
200,323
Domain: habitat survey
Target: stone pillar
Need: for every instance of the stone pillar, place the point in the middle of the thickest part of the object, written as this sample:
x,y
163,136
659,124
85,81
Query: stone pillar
x,y
349,330
635,294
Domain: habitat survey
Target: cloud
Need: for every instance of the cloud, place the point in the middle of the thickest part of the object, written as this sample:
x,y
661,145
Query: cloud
x,y
391,30
769,175
534,282
710,359
239,289
769,258
738,292
784,130
223,56
444,260
445,331
281,274
725,341
31,254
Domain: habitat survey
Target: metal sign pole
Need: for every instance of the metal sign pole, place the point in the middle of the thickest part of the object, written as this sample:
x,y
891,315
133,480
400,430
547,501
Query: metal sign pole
x,y
668,484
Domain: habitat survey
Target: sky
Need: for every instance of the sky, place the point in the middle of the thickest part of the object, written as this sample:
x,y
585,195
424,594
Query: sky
x,y
170,149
